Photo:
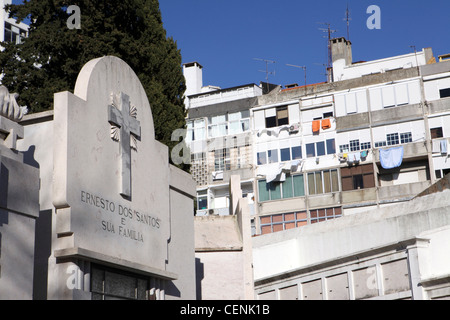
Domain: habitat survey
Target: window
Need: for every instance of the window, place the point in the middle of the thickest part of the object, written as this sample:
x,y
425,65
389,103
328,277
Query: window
x,y
293,186
272,155
365,145
296,152
405,137
232,123
285,154
202,202
331,146
238,122
320,148
354,145
113,284
357,177
319,215
282,116
310,150
286,221
222,160
283,221
323,182
13,34
392,139
195,130
261,158
380,144
436,133
444,93
277,117
217,126
344,148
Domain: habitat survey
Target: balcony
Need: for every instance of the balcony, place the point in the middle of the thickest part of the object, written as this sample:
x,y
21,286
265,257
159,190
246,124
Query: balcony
x,y
410,150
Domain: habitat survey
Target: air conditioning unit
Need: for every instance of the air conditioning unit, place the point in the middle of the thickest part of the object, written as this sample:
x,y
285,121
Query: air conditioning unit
x,y
294,128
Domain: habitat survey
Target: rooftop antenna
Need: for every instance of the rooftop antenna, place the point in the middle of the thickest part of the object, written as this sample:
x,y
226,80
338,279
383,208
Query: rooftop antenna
x,y
267,72
348,19
329,31
301,67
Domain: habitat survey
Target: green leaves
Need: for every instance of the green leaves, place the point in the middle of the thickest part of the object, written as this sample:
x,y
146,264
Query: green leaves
x,y
49,60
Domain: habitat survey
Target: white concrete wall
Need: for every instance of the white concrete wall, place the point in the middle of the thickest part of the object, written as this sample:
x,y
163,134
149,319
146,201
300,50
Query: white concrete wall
x,y
313,244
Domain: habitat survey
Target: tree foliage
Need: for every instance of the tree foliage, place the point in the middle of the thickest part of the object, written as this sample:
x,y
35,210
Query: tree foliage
x,y
50,58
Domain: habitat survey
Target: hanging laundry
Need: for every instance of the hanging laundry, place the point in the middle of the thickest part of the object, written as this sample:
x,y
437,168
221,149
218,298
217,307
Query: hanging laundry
x,y
444,147
316,126
272,172
326,124
391,158
436,146
364,154
353,157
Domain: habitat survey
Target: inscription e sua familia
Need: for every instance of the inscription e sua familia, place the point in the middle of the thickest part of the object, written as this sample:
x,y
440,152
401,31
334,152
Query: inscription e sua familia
x,y
125,214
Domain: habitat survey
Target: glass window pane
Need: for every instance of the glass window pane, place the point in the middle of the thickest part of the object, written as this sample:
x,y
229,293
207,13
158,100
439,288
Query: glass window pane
x,y
275,190
334,180
272,155
234,116
245,124
327,181
202,203
271,122
263,189
299,185
310,150
311,184
296,153
319,187
287,188
331,146
235,127
354,145
320,148
261,158
285,154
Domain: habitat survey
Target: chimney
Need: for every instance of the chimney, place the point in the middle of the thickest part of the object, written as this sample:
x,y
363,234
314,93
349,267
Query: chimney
x,y
194,80
341,53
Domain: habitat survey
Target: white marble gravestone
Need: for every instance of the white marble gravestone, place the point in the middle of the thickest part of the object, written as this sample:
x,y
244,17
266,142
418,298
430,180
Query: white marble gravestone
x,y
112,181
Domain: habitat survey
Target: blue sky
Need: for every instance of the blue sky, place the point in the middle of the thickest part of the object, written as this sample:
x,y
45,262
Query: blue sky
x,y
226,36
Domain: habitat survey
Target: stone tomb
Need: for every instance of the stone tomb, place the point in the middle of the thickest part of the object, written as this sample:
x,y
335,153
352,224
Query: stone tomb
x,y
19,204
120,212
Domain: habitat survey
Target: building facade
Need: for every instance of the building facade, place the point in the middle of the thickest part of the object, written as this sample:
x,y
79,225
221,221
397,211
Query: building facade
x,y
10,30
373,138
312,153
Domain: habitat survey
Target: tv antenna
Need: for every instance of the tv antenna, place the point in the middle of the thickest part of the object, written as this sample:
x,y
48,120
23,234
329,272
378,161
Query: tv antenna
x,y
301,67
348,19
329,32
267,72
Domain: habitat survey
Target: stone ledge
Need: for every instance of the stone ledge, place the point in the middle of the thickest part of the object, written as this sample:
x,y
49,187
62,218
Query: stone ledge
x,y
113,262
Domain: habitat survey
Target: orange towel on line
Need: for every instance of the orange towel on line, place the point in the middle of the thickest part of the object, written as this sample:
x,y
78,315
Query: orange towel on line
x,y
316,125
326,124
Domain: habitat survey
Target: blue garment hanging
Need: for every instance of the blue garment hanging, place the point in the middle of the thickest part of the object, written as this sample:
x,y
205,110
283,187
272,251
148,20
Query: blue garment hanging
x,y
391,158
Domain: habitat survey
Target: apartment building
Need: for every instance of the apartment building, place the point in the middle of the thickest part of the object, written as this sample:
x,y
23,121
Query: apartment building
x,y
375,136
10,30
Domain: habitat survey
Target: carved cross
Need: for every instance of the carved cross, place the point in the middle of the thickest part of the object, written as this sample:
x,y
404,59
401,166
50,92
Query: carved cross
x,y
128,126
